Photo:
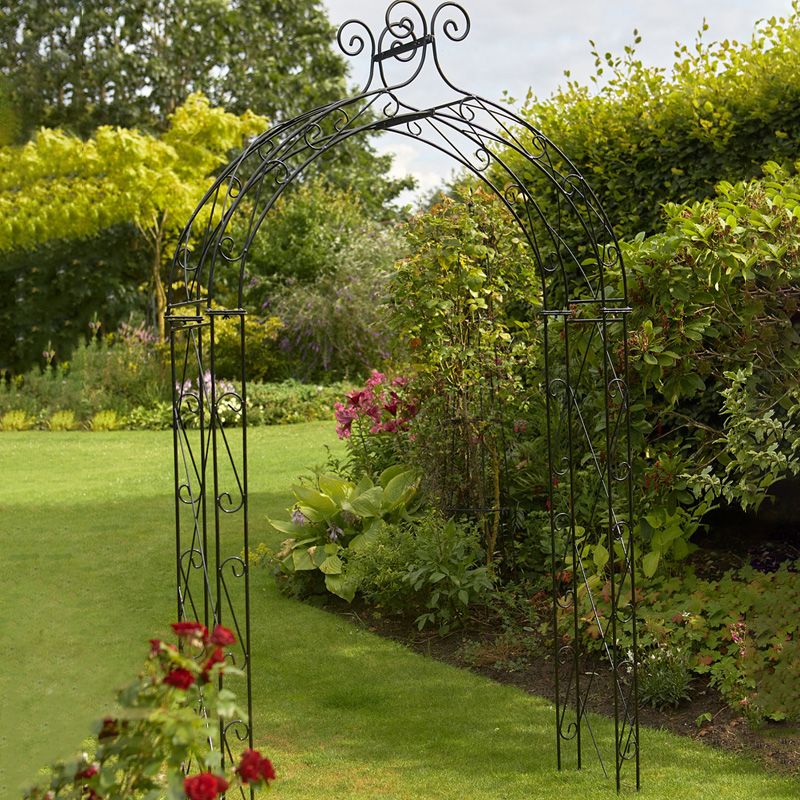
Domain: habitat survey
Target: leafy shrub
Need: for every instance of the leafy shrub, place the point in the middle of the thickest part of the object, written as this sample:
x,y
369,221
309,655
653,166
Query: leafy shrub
x,y
157,417
263,359
646,136
664,678
336,516
105,421
380,568
448,572
118,371
63,421
143,750
713,345
463,305
16,420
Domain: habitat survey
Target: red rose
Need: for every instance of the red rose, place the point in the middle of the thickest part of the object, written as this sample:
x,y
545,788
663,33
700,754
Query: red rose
x,y
179,678
222,636
87,773
217,657
254,768
204,786
195,632
155,647
109,729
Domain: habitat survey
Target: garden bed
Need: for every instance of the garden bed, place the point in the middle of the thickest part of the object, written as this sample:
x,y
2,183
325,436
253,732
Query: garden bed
x,y
526,663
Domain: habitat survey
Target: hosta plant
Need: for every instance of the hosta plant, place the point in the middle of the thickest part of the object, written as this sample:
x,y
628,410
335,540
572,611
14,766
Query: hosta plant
x,y
336,516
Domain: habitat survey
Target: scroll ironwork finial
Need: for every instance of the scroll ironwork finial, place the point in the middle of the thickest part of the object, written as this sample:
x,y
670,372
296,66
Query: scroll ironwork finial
x,y
406,38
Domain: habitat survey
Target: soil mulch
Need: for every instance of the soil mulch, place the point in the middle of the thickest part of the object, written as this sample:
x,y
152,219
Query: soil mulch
x,y
525,662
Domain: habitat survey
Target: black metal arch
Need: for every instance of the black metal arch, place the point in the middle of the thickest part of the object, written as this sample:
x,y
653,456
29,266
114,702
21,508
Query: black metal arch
x,y
584,335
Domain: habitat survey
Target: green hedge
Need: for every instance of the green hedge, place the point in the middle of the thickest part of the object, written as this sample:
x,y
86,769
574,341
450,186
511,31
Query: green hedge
x,y
647,136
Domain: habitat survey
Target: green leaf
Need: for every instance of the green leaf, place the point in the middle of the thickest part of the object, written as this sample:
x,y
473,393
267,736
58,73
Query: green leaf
x,y
600,556
367,504
319,502
338,489
342,586
650,563
301,560
391,472
332,565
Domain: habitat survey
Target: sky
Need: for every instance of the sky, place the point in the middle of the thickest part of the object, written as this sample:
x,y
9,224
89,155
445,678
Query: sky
x,y
515,45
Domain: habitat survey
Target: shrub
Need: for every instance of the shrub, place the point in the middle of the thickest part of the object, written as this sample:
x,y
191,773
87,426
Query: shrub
x,y
62,421
145,748
336,325
157,417
380,568
16,420
463,308
448,572
118,371
291,401
105,421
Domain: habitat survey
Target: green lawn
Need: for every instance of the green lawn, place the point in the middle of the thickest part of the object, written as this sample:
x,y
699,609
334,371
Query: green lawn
x,y
86,542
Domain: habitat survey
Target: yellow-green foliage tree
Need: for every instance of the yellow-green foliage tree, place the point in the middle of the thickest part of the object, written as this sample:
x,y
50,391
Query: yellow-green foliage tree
x,y
58,186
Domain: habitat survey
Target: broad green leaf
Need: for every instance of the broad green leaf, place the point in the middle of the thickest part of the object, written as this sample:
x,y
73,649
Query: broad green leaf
x,y
392,472
332,565
338,489
320,502
650,563
341,586
368,503
301,559
600,556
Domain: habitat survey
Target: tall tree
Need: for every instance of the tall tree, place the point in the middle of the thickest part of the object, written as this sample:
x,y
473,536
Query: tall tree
x,y
59,186
79,64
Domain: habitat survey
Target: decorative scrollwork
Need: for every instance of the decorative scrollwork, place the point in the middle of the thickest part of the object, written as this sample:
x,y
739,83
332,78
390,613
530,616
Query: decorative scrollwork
x,y
226,503
240,729
192,558
230,401
185,495
225,249
234,186
237,566
450,26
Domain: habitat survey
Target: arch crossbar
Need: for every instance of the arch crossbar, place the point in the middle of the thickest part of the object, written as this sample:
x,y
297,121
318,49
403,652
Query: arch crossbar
x,y
584,312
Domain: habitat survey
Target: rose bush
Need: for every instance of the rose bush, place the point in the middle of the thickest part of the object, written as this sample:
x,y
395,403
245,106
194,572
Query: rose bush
x,y
144,750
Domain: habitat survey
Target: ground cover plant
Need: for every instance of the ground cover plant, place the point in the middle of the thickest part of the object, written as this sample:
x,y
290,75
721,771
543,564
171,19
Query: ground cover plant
x,y
338,710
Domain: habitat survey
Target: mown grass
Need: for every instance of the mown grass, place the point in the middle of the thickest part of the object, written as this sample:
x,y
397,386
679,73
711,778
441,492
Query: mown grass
x,y
86,543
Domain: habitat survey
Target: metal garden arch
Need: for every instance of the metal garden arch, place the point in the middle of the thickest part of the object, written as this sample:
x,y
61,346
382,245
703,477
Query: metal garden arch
x,y
584,329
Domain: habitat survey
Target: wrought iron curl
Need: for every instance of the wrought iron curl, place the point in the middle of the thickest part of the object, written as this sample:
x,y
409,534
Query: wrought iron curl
x,y
450,26
240,729
226,503
192,558
237,566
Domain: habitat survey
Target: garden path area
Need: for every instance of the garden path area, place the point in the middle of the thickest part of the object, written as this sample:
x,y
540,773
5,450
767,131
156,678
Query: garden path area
x,y
86,543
